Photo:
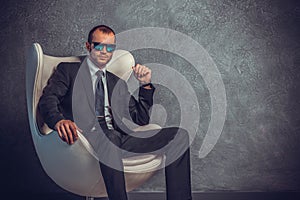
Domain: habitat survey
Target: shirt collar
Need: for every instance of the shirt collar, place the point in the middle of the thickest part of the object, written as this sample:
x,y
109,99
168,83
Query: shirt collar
x,y
93,68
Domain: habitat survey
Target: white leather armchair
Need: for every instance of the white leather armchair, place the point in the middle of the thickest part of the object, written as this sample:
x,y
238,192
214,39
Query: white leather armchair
x,y
76,168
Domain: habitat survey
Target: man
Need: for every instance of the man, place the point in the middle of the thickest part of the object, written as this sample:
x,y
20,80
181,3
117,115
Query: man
x,y
88,98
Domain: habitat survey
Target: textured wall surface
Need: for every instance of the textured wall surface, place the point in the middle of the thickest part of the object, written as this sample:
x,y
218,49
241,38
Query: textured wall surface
x,y
255,45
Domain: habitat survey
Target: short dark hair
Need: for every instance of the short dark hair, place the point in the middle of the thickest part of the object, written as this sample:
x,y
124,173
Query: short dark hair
x,y
102,28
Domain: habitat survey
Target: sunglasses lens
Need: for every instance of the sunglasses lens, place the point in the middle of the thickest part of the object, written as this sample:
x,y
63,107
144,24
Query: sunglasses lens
x,y
110,47
99,47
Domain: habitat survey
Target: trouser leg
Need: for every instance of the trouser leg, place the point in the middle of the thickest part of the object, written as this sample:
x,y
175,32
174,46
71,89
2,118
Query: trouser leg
x,y
174,143
113,178
177,172
178,178
114,182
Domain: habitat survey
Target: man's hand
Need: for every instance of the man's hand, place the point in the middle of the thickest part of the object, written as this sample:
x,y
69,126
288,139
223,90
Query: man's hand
x,y
67,131
142,73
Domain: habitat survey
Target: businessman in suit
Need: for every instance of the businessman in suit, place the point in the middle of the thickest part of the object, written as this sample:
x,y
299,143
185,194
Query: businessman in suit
x,y
86,97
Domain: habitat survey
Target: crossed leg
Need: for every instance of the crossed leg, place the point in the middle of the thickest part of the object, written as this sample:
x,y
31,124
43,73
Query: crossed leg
x,y
172,142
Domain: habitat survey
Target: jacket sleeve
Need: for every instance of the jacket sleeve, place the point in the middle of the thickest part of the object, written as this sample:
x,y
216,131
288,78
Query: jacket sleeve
x,y
139,109
55,90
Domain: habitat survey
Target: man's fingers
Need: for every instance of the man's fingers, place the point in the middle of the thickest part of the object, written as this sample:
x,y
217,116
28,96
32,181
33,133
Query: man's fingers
x,y
74,131
140,70
64,133
145,71
69,133
135,68
59,133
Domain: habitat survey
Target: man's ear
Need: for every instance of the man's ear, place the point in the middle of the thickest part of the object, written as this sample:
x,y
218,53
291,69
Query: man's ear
x,y
88,46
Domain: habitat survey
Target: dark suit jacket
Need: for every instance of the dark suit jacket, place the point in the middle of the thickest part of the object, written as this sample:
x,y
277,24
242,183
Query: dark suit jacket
x,y
69,95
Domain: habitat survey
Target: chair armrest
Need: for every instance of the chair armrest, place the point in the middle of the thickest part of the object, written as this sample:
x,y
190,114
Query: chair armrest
x,y
147,127
87,145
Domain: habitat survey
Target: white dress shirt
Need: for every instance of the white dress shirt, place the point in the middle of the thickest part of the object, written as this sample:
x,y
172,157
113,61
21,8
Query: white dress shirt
x,y
93,70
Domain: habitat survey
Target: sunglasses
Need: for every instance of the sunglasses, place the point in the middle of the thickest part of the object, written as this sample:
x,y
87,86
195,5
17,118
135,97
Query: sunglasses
x,y
109,47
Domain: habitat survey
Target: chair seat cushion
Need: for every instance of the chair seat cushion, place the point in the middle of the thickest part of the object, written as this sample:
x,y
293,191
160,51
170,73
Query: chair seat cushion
x,y
143,163
138,160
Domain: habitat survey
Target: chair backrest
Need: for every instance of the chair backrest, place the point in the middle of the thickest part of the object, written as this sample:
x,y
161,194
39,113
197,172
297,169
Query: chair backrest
x,y
120,65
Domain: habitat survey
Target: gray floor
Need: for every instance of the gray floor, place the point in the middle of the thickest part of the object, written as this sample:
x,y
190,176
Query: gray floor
x,y
161,196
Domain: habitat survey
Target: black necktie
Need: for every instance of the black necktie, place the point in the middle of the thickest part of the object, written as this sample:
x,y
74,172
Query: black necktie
x,y
99,95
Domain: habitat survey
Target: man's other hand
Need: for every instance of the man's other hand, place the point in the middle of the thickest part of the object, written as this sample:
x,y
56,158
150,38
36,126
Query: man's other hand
x,y
67,131
142,73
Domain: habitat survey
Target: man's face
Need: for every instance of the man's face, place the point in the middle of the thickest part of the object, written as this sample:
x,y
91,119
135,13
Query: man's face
x,y
100,57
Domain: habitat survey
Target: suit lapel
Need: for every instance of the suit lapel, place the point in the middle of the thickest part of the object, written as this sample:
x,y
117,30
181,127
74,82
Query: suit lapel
x,y
86,81
109,86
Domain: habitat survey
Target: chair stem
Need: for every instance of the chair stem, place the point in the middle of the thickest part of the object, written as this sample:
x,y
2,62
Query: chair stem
x,y
89,198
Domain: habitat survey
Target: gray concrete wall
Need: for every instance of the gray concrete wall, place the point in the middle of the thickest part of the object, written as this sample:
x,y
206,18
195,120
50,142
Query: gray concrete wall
x,y
255,45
